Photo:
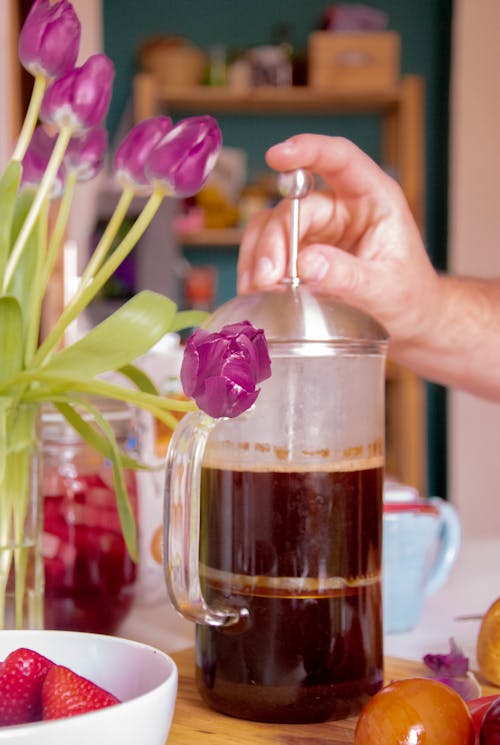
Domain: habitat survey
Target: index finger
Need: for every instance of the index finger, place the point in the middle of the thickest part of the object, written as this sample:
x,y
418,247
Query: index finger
x,y
342,165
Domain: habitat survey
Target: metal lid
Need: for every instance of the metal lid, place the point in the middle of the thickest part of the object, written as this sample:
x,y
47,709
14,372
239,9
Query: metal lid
x,y
295,313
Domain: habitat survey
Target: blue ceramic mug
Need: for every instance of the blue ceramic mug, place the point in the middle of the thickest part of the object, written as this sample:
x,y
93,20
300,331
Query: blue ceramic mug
x,y
421,542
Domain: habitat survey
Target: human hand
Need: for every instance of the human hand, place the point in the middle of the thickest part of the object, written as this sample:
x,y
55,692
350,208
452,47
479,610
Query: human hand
x,y
358,241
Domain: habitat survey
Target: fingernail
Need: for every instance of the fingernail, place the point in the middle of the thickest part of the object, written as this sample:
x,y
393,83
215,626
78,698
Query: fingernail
x,y
244,282
264,271
286,147
314,267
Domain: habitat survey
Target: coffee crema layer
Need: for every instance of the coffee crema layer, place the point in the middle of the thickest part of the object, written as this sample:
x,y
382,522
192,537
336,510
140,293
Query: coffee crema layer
x,y
221,461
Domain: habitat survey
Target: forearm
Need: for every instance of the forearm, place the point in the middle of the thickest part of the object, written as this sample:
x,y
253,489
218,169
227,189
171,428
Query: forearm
x,y
461,347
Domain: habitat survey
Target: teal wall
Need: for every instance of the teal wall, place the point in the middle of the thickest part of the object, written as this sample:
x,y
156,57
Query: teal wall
x,y
424,26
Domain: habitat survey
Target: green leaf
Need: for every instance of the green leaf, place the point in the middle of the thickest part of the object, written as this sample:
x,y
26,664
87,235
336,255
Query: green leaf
x,y
4,524
185,319
9,185
127,334
25,274
11,337
125,512
139,378
94,439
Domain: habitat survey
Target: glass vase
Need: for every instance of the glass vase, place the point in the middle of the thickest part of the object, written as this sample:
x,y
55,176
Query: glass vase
x,y
89,574
21,561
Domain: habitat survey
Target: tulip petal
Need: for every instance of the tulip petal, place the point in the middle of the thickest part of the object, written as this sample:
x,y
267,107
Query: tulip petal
x,y
35,162
50,38
133,152
80,99
220,369
185,156
223,398
85,155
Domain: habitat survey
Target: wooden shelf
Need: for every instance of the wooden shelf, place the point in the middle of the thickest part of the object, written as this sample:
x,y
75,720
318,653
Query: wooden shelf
x,y
263,100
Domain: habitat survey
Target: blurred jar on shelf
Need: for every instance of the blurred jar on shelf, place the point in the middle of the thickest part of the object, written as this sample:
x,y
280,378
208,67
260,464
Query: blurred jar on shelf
x,y
270,65
89,574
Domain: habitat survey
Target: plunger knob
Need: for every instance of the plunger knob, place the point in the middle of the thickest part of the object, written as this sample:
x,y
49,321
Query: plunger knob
x,y
295,184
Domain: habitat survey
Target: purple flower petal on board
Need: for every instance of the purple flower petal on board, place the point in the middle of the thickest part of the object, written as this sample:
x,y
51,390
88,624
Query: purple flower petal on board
x,y
465,685
452,664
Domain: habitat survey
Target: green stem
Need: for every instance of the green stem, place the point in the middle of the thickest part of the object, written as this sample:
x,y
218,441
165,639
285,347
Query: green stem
x,y
19,523
158,406
6,553
59,229
108,236
31,117
22,436
37,292
85,294
41,194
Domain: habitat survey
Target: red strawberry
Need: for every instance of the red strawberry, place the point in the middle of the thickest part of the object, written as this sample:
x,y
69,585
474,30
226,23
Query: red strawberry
x,y
65,694
21,677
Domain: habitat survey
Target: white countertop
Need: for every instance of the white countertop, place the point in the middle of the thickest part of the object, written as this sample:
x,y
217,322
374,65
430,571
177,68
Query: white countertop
x,y
474,583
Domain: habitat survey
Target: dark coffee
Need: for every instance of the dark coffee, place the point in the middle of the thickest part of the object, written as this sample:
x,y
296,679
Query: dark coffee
x,y
302,552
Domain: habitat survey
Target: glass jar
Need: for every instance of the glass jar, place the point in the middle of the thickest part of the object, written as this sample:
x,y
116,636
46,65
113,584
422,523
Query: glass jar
x,y
89,575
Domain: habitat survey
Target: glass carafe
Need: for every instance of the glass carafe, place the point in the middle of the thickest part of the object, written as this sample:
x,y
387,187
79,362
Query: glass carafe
x,y
273,534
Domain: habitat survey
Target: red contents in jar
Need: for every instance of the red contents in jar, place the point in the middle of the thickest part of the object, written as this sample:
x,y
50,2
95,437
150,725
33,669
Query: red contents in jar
x,y
89,574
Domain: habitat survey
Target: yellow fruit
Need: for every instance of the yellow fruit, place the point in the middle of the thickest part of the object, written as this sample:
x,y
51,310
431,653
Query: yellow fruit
x,y
488,644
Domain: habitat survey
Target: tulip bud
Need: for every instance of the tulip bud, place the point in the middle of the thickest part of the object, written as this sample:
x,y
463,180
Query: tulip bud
x,y
80,99
85,155
35,162
50,38
220,369
184,158
135,149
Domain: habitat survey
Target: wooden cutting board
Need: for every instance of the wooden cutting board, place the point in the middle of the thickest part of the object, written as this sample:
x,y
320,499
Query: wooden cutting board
x,y
195,724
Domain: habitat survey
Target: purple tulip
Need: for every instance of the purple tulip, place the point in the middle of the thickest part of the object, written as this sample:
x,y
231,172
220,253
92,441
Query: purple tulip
x,y
35,162
85,155
220,370
135,149
80,99
50,38
184,158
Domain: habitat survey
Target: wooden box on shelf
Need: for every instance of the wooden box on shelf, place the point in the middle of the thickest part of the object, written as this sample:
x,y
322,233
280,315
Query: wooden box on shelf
x,y
350,61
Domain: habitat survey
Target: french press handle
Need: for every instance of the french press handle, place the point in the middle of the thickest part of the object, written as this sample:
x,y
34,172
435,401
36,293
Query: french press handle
x,y
181,537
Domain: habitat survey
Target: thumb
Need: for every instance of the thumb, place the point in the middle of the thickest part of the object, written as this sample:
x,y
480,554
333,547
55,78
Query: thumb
x,y
354,280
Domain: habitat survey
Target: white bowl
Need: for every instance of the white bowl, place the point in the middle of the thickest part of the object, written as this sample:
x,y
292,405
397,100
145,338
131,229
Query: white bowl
x,y
142,677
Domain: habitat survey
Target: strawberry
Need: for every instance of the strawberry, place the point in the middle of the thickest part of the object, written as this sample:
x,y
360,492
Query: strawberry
x,y
21,677
65,694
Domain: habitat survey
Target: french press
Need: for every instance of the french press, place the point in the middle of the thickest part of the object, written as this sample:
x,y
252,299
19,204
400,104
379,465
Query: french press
x,y
273,520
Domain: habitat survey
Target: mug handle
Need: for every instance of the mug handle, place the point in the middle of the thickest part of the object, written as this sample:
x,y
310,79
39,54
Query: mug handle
x,y
181,523
451,538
